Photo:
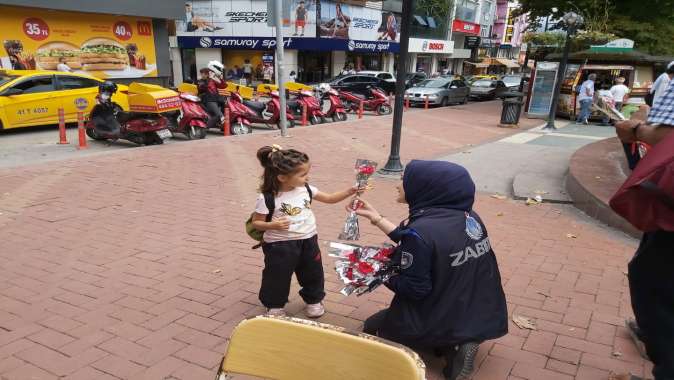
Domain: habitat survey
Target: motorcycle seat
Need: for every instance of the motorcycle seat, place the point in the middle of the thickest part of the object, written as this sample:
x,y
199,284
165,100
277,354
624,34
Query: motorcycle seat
x,y
256,106
293,104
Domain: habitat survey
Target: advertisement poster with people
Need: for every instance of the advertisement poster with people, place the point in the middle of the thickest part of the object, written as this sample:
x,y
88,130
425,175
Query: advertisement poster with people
x,y
338,20
246,18
99,45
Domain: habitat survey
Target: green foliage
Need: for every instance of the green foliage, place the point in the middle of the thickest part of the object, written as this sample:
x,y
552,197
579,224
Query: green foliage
x,y
650,23
436,8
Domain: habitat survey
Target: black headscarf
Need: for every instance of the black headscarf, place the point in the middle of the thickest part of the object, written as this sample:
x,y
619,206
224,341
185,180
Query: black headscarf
x,y
437,184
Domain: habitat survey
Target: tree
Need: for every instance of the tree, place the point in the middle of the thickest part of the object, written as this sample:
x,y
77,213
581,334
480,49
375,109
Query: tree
x,y
650,23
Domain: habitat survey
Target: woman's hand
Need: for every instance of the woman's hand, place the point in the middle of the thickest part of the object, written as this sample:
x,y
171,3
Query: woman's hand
x,y
363,208
282,224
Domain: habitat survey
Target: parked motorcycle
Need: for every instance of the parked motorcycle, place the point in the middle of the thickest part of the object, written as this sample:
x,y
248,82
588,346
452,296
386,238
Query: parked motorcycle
x,y
335,107
262,112
191,120
377,101
307,99
109,122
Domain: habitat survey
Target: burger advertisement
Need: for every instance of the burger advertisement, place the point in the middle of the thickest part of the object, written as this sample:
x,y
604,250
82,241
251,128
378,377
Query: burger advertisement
x,y
100,45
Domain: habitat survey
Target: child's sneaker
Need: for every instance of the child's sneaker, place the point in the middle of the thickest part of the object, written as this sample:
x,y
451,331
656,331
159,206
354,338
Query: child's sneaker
x,y
280,312
314,310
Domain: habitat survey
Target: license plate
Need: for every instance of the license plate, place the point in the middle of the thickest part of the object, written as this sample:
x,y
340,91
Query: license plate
x,y
164,133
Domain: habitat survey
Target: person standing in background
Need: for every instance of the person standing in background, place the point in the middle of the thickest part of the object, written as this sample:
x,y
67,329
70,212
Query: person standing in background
x,y
63,66
248,71
660,84
585,97
619,92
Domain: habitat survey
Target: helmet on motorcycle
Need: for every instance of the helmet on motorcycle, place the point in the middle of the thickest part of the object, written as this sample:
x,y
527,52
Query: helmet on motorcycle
x,y
107,86
216,67
324,87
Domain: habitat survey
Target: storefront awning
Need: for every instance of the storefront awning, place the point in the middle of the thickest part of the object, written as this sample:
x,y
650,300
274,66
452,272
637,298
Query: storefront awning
x,y
509,63
477,64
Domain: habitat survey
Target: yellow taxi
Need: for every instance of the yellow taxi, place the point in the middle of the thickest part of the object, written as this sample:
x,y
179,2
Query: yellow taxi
x,y
33,97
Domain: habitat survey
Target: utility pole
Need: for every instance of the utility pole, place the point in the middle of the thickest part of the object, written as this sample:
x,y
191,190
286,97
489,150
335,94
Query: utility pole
x,y
278,21
393,165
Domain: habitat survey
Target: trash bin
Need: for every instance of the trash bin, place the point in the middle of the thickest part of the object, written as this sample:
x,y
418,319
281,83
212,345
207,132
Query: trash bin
x,y
512,108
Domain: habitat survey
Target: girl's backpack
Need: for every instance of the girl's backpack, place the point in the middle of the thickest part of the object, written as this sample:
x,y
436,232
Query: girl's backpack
x,y
256,234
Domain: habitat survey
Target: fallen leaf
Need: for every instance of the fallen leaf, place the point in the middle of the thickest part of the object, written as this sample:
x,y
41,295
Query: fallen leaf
x,y
498,196
217,271
619,376
497,214
571,236
524,322
572,329
625,272
532,202
538,199
617,354
597,177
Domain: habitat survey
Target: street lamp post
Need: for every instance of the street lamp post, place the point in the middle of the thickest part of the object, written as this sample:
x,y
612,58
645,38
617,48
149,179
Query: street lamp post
x,y
393,165
571,20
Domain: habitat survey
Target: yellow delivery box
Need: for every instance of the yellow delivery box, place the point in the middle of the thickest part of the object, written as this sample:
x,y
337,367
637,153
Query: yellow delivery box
x,y
150,98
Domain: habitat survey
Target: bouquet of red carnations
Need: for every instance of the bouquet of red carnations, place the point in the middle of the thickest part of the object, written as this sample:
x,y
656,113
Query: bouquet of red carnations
x,y
362,269
364,169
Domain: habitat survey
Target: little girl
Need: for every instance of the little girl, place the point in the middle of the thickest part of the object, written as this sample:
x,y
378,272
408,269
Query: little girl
x,y
290,241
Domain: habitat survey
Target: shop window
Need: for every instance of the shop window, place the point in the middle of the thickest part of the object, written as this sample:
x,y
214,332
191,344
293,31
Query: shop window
x,y
466,10
189,64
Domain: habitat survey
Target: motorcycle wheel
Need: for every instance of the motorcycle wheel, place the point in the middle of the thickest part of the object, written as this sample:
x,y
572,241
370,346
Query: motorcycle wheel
x,y
384,109
314,120
339,116
239,128
91,132
348,107
199,133
151,138
291,123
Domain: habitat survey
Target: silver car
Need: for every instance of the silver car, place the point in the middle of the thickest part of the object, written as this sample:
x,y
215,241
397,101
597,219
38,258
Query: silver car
x,y
440,91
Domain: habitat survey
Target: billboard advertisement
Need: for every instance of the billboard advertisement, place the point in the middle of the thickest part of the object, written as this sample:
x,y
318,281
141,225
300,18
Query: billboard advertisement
x,y
100,45
232,18
348,22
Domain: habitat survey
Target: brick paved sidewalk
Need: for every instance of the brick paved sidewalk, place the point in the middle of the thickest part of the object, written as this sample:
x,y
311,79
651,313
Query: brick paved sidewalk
x,y
135,264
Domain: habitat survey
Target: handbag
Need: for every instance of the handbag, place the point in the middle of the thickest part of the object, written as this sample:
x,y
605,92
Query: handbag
x,y
646,199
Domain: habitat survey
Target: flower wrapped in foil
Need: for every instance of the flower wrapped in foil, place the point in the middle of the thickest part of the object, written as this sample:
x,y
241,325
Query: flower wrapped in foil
x,y
364,169
362,268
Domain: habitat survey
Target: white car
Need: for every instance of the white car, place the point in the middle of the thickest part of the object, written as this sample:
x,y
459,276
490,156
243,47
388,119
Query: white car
x,y
384,75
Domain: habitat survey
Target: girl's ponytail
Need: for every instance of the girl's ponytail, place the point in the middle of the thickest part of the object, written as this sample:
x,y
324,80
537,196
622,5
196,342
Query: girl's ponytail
x,y
278,161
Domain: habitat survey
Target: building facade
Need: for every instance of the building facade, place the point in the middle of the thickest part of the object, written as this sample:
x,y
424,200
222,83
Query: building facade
x,y
321,38
133,34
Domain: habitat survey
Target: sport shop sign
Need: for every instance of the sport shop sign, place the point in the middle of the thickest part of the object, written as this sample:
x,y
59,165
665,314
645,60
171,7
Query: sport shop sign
x,y
235,18
317,44
422,45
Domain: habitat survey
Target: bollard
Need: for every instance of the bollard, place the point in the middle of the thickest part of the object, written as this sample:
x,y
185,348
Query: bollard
x,y
81,133
407,103
226,125
63,139
304,114
360,109
426,103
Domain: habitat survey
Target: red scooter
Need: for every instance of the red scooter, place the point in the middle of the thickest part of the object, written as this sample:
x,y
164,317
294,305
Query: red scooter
x,y
267,113
109,122
191,120
239,115
377,102
307,99
336,109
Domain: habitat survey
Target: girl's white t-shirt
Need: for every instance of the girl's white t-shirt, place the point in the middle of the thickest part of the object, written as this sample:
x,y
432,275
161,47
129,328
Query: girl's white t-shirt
x,y
294,205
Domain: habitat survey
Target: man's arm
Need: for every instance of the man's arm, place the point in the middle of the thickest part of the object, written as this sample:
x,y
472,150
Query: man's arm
x,y
633,130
